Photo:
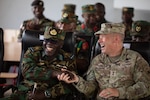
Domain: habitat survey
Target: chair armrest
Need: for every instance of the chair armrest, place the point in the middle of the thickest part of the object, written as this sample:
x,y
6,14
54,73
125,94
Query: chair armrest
x,y
8,75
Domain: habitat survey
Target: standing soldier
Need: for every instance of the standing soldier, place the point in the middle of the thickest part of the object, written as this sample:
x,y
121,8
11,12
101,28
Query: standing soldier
x,y
39,22
88,27
127,15
69,19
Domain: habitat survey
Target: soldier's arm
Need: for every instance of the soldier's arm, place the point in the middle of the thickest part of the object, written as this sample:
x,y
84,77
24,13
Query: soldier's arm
x,y
141,76
88,86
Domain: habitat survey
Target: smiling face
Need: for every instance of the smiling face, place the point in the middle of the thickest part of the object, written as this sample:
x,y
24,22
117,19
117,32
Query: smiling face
x,y
111,44
51,47
37,11
106,41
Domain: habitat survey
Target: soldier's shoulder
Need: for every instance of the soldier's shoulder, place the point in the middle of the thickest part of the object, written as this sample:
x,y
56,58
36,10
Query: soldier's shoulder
x,y
35,49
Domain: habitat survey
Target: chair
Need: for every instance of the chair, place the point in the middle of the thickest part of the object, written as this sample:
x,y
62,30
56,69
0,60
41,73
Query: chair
x,y
30,38
4,75
142,47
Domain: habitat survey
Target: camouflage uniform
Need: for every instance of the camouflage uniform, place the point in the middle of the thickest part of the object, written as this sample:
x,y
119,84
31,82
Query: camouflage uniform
x,y
128,72
83,27
38,68
40,26
129,11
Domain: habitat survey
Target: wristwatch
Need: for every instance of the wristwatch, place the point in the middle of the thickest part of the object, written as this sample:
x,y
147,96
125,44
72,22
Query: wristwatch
x,y
47,94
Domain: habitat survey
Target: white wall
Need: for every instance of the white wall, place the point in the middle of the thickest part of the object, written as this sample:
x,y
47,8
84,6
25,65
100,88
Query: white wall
x,y
13,12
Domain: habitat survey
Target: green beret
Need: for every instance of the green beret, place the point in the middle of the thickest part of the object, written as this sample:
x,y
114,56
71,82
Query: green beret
x,y
37,3
88,9
128,9
69,8
53,33
140,28
108,28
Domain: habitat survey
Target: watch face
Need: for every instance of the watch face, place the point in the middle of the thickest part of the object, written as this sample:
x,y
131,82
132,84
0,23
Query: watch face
x,y
47,94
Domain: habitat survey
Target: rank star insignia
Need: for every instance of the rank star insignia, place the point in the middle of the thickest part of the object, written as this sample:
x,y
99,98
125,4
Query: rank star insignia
x,y
53,32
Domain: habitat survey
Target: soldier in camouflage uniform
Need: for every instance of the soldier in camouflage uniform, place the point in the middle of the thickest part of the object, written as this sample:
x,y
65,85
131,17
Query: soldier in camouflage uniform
x,y
88,27
39,22
127,15
69,19
117,73
140,31
40,67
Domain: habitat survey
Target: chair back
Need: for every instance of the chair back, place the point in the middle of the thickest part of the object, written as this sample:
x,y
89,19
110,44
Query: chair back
x,y
141,47
1,48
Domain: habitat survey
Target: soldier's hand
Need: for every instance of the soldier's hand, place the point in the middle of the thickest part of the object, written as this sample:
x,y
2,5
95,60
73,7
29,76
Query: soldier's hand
x,y
55,73
38,95
109,92
67,78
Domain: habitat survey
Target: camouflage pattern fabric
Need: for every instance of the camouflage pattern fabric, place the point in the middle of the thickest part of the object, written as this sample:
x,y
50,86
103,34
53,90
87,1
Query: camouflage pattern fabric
x,y
36,67
40,26
129,73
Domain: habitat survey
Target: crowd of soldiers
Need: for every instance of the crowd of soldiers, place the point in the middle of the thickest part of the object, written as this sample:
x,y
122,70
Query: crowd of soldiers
x,y
47,85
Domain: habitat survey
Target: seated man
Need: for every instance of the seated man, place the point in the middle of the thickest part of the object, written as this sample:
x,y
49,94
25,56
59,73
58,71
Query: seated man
x,y
117,73
40,67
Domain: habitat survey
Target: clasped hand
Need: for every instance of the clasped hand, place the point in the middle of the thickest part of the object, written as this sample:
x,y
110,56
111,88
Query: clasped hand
x,y
66,78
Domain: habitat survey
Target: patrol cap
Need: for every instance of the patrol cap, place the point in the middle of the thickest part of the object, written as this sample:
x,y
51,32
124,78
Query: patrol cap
x,y
88,9
140,28
128,9
69,8
66,18
107,28
54,33
37,3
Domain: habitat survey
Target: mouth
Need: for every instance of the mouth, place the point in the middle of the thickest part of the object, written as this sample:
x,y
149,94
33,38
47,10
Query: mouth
x,y
102,46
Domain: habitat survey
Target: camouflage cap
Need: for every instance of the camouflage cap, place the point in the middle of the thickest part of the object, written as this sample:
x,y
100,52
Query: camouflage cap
x,y
53,33
107,28
128,9
88,9
69,8
66,18
37,2
140,28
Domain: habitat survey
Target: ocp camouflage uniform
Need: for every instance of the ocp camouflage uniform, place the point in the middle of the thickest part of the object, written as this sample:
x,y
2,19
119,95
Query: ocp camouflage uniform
x,y
121,73
127,72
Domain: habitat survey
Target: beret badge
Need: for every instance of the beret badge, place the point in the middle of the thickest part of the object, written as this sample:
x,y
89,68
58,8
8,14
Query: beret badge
x,y
65,15
53,32
138,28
91,8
